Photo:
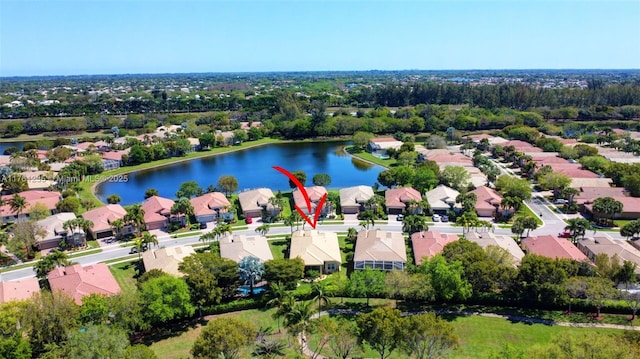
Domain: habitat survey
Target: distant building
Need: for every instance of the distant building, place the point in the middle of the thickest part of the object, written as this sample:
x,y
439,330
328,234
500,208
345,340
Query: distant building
x,y
379,146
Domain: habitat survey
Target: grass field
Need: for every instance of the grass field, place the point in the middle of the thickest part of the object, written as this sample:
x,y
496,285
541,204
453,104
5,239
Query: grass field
x,y
479,336
124,274
278,247
368,157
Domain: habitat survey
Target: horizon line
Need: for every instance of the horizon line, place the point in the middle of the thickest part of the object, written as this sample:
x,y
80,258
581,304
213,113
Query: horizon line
x,y
313,71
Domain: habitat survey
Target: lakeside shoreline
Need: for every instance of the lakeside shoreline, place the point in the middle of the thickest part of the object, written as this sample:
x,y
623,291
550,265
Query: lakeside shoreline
x,y
88,191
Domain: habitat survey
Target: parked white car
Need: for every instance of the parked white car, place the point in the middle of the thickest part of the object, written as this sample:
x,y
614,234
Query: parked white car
x,y
436,218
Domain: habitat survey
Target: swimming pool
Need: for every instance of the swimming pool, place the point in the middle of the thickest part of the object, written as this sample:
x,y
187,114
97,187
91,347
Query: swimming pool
x,y
244,290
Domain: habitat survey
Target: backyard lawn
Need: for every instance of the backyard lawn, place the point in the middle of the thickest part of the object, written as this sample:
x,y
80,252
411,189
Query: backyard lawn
x,y
124,274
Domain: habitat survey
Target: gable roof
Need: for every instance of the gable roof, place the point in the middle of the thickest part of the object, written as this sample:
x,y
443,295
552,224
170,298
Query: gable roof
x,y
589,194
488,198
380,245
400,197
237,247
18,289
255,199
315,194
442,197
78,281
486,239
553,247
166,259
209,202
429,243
315,248
354,196
103,216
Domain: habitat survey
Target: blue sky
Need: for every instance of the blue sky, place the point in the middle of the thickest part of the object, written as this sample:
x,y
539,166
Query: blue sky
x,y
56,37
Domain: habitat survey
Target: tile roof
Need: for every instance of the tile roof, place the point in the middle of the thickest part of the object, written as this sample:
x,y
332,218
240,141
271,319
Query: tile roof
x,y
486,239
429,243
400,197
589,194
629,204
78,281
442,197
48,198
157,208
553,247
380,245
166,259
103,216
315,248
488,198
354,196
209,202
255,199
315,194
18,289
53,225
236,247
618,248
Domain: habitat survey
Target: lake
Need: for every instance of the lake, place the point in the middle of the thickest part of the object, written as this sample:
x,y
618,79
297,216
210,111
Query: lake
x,y
253,169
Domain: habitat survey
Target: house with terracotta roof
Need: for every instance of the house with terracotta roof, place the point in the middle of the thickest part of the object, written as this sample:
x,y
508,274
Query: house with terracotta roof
x,y
619,250
553,247
427,244
166,259
157,211
113,159
315,194
211,206
54,232
488,202
18,289
102,217
589,194
378,249
486,239
442,198
255,201
318,250
630,207
47,198
237,246
398,199
380,146
573,170
522,146
78,281
352,199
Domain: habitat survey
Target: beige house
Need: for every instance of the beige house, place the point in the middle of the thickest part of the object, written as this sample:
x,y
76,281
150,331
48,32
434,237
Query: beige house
x,y
352,199
166,259
318,250
622,250
54,232
378,249
255,201
236,247
486,239
315,194
442,198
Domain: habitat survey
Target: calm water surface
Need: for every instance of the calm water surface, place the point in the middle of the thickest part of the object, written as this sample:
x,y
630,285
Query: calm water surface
x,y
252,168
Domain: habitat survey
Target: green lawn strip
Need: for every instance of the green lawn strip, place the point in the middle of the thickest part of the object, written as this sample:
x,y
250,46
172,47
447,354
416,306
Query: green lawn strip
x,y
124,274
121,259
526,211
287,205
240,228
93,244
479,336
187,234
330,222
368,157
278,247
85,253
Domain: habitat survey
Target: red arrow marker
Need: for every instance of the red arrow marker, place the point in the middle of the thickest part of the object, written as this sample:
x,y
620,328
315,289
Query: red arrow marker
x,y
302,190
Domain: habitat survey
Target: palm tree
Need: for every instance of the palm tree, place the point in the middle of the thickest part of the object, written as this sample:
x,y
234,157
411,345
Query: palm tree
x,y
412,224
225,228
78,224
263,229
251,270
578,228
135,216
298,318
352,235
607,207
138,244
148,238
17,204
320,295
509,203
278,298
367,217
269,349
183,207
117,225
